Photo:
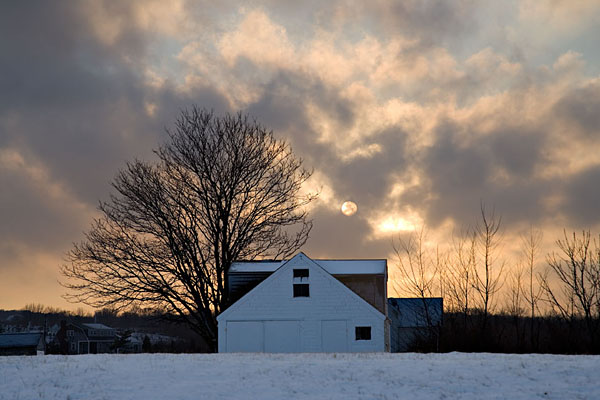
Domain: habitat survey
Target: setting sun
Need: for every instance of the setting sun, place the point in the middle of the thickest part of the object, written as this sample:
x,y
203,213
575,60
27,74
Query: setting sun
x,y
349,208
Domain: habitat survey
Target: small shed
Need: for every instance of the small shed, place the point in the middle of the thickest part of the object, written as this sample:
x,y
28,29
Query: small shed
x,y
415,323
21,344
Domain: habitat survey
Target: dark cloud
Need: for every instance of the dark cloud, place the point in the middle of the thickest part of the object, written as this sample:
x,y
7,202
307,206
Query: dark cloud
x,y
582,192
516,150
30,215
456,175
429,22
464,169
285,96
335,235
581,109
368,180
76,107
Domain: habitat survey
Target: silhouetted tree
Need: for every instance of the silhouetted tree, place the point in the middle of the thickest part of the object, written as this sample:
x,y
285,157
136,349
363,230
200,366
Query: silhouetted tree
x,y
223,189
577,271
488,279
121,340
146,345
458,274
532,290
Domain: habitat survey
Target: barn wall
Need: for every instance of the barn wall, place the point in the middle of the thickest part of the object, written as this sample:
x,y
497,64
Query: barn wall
x,y
319,317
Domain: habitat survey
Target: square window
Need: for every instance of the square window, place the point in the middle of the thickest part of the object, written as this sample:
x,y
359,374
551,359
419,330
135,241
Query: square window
x,y
363,333
301,274
301,290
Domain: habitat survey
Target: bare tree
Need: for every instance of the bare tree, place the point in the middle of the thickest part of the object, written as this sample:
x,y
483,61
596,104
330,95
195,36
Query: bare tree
x,y
417,268
514,293
488,275
223,189
532,289
577,270
459,273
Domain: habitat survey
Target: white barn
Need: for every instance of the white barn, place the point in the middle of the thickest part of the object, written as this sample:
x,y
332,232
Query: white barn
x,y
305,305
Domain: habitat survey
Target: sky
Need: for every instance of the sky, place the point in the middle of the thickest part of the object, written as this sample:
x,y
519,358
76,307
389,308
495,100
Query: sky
x,y
417,111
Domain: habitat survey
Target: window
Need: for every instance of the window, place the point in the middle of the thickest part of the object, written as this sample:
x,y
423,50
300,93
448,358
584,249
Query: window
x,y
301,274
70,333
363,333
301,290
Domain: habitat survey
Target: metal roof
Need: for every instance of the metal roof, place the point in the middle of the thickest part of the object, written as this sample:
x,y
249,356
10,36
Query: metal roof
x,y
334,267
8,340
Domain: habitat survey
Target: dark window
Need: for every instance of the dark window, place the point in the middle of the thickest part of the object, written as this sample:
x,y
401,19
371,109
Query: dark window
x,y
301,290
300,273
363,333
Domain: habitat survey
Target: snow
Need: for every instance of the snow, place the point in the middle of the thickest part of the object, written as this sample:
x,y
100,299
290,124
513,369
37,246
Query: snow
x,y
334,267
306,376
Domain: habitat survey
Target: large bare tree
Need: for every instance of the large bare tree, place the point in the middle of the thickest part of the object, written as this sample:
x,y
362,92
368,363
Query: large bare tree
x,y
223,189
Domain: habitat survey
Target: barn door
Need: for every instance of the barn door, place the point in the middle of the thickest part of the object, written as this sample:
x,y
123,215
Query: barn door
x,y
282,336
245,336
334,336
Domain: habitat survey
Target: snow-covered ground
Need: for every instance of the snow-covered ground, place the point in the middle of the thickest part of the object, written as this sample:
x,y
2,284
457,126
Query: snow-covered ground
x,y
313,376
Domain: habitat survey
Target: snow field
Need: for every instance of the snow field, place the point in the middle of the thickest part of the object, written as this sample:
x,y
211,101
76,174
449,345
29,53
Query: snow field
x,y
306,376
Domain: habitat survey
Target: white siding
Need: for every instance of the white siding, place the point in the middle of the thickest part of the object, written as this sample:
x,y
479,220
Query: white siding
x,y
334,336
245,336
296,324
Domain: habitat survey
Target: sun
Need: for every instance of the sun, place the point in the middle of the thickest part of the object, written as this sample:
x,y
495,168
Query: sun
x,y
349,208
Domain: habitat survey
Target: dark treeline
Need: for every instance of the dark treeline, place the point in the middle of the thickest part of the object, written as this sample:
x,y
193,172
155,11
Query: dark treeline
x,y
506,334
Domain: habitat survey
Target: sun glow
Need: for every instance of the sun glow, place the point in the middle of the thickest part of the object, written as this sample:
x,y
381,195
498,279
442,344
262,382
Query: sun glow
x,y
408,221
396,225
349,208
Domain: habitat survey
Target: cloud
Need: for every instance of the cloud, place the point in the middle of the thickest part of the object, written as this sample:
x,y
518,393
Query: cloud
x,y
582,197
565,16
580,108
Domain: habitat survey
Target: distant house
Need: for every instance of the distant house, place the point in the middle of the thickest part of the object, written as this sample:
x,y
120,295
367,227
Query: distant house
x,y
87,338
21,344
306,305
51,333
415,323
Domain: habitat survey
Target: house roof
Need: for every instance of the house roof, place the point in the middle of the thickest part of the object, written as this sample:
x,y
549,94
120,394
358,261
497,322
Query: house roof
x,y
96,326
19,339
333,267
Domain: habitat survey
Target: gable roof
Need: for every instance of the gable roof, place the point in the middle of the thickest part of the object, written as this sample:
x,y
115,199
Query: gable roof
x,y
316,264
333,267
8,340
